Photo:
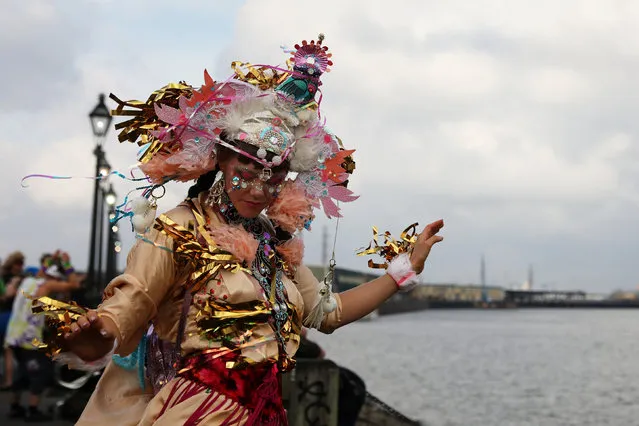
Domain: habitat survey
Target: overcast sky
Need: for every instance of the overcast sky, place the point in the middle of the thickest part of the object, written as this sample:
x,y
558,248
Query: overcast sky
x,y
513,121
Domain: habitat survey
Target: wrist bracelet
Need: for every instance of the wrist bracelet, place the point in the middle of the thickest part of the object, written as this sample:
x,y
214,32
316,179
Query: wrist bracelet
x,y
401,270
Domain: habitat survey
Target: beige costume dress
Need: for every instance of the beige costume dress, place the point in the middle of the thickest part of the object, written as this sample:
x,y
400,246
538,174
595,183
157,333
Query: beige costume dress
x,y
150,291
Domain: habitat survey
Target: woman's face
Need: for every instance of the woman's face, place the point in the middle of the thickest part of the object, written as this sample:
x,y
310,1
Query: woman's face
x,y
251,187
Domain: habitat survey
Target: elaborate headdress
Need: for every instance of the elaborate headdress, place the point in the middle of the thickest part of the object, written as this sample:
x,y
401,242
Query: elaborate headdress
x,y
266,113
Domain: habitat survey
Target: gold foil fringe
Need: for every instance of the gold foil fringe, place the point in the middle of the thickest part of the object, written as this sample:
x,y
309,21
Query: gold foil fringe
x,y
145,120
233,326
203,259
263,77
58,316
390,247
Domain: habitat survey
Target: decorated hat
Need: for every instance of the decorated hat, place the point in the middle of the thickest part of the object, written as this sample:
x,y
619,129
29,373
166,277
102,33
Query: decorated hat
x,y
267,113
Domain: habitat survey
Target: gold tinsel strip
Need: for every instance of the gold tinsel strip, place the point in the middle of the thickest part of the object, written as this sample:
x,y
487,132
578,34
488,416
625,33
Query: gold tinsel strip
x,y
145,120
233,325
220,319
263,77
390,247
205,261
59,316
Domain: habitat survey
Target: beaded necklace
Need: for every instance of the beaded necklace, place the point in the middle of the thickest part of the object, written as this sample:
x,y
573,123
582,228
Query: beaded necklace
x,y
265,266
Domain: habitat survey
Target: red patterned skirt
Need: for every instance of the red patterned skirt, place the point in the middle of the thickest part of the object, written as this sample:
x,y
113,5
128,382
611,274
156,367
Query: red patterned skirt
x,y
255,389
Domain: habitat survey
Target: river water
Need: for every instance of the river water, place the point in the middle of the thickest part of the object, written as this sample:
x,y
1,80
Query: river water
x,y
499,367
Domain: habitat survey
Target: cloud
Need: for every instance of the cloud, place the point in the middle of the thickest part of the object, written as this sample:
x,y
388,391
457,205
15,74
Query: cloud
x,y
557,86
517,125
39,43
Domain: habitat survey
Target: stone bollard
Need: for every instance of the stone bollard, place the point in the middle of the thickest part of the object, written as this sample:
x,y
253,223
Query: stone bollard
x,y
310,393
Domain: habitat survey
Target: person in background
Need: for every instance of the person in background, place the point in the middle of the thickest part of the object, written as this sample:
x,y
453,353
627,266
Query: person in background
x,y
34,368
61,258
11,273
46,260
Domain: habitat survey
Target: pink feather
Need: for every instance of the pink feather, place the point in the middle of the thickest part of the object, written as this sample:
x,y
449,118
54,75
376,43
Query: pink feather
x,y
237,241
291,209
292,251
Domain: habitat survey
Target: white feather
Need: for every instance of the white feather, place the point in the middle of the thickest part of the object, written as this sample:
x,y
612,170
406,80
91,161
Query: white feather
x,y
238,114
304,155
233,120
140,205
305,115
142,221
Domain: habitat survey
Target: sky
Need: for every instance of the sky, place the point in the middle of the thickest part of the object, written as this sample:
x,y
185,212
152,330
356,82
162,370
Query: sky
x,y
514,121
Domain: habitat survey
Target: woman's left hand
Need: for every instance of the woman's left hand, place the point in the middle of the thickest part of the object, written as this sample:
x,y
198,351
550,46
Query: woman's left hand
x,y
424,243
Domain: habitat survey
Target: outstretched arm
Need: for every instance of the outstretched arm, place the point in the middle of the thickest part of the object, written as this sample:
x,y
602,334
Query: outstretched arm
x,y
365,298
57,286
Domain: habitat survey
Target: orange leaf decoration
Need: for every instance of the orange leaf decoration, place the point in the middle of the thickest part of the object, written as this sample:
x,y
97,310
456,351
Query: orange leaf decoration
x,y
334,169
204,93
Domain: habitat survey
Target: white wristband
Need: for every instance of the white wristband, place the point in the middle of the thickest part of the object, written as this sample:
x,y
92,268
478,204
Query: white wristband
x,y
401,270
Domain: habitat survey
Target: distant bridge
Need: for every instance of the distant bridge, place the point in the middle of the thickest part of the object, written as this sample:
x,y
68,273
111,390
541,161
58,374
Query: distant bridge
x,y
562,299
535,297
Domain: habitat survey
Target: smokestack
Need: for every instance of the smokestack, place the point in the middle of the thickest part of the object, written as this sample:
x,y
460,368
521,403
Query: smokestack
x,y
482,272
530,276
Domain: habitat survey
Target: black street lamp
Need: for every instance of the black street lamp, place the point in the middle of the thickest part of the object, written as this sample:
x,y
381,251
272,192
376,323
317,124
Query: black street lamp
x,y
100,122
100,118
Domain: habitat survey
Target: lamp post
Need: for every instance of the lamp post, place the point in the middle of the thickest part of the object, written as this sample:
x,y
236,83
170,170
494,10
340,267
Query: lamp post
x,y
105,169
110,199
100,122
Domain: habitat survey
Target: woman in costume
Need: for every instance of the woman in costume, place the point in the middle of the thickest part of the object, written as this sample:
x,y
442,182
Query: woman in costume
x,y
209,311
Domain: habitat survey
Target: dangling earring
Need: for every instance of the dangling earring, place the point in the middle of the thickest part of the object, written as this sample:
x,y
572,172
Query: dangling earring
x,y
217,189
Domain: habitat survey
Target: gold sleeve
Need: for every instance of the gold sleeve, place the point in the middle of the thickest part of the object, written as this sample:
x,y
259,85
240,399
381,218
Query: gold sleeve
x,y
131,300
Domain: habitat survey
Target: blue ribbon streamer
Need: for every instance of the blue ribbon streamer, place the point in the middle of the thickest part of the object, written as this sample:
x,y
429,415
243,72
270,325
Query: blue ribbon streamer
x,y
137,359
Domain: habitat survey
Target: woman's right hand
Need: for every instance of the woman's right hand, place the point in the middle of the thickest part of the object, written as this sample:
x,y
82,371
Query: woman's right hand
x,y
91,337
424,243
